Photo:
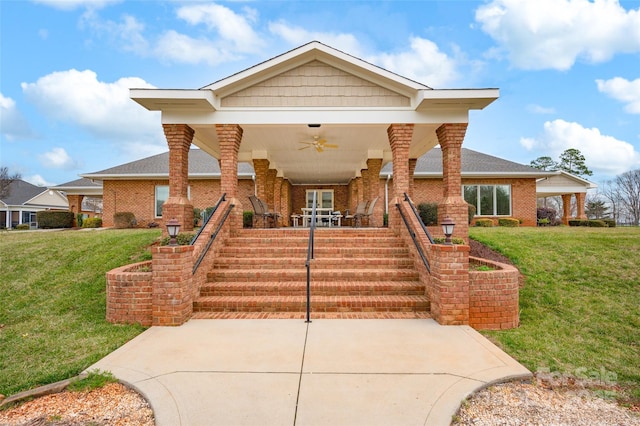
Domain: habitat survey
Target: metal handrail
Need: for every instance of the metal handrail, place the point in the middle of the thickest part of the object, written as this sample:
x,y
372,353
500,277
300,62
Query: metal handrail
x,y
310,254
212,238
415,212
195,238
413,237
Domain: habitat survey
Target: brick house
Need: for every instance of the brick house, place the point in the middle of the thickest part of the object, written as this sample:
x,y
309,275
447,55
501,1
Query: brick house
x,y
315,119
141,187
25,200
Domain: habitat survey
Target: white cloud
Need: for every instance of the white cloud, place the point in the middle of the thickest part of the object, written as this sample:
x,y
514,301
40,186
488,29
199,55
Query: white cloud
x,y
102,109
231,27
298,36
553,34
179,48
57,158
38,180
75,4
604,154
623,90
423,61
126,34
13,125
539,109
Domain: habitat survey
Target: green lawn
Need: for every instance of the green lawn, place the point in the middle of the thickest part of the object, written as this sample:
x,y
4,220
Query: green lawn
x,y
580,305
53,304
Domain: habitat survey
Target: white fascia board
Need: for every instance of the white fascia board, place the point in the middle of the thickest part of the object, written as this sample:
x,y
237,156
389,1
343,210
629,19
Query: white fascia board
x,y
170,99
456,98
307,53
277,116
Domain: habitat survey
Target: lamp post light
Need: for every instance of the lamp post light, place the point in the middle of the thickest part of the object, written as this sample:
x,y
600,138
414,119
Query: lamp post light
x,y
447,228
173,227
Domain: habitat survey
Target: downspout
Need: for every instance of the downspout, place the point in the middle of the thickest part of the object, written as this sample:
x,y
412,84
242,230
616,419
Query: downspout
x,y
386,194
255,187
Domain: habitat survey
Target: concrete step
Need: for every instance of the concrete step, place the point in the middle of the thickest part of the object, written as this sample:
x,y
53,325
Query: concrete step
x,y
318,304
332,288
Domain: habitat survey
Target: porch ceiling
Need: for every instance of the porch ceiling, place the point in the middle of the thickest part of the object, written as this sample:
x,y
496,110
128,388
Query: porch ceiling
x,y
280,144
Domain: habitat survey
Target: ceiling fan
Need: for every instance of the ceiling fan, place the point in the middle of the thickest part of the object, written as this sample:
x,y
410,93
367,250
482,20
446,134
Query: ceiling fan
x,y
318,144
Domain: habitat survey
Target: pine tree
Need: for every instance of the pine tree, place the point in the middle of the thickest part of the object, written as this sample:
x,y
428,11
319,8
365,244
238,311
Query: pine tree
x,y
572,161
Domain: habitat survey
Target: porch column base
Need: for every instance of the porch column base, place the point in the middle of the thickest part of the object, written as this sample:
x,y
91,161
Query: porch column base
x,y
448,289
181,209
458,210
172,300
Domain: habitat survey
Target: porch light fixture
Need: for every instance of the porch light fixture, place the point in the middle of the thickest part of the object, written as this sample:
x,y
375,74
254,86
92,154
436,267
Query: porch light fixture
x,y
447,228
173,227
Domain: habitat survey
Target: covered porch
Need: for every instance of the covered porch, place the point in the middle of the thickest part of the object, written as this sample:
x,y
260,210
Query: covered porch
x,y
316,118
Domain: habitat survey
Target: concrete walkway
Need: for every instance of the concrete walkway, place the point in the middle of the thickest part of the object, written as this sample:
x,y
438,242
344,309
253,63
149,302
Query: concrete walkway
x,y
328,372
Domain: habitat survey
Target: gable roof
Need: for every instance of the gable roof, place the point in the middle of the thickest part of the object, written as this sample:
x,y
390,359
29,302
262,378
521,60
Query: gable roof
x,y
20,192
473,164
201,166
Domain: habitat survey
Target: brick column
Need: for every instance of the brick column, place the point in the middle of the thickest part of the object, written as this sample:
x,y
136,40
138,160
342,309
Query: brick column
x,y
172,302
286,202
451,136
260,166
412,169
178,206
229,139
271,184
277,200
360,192
75,206
374,165
400,136
580,200
449,286
566,208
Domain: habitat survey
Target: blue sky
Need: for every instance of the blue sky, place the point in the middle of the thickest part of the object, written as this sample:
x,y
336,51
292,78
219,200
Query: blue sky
x,y
568,71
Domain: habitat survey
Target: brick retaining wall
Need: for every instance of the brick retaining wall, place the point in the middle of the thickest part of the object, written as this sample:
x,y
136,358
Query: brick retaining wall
x,y
129,294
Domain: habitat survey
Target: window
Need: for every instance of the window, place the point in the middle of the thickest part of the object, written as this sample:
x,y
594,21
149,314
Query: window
x,y
324,199
490,200
162,195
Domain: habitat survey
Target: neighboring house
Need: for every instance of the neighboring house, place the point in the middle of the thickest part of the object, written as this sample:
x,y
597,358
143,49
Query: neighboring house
x,y
84,197
25,201
497,187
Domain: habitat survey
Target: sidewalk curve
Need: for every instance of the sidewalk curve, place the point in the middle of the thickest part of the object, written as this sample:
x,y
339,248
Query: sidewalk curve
x,y
327,372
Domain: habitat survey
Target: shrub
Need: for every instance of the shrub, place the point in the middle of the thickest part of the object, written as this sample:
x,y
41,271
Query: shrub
x,y
182,240
472,212
79,219
247,219
197,215
486,223
22,227
543,222
594,223
508,222
611,223
454,240
578,222
548,213
428,213
54,219
124,220
385,219
92,222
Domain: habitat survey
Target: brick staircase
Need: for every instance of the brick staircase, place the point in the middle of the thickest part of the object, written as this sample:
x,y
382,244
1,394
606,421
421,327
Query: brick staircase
x,y
359,273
